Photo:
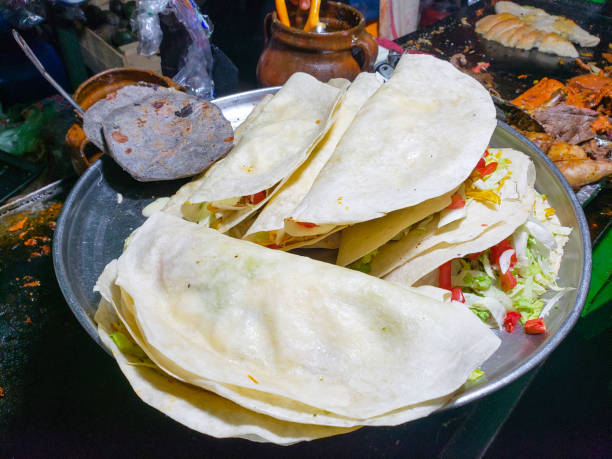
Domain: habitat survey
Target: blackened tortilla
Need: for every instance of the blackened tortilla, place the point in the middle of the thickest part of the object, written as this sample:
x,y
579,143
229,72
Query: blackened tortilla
x,y
98,112
167,135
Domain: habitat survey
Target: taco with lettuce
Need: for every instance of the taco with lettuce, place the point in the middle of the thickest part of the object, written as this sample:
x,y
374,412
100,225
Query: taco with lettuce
x,y
348,350
268,228
273,142
497,247
418,137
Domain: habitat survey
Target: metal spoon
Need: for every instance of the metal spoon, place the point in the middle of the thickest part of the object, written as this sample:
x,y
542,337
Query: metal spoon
x,y
28,52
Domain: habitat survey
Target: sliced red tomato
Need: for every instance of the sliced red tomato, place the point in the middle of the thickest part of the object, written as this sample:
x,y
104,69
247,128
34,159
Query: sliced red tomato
x,y
474,256
486,169
273,246
511,319
307,224
257,197
507,280
535,326
457,202
445,276
497,250
457,294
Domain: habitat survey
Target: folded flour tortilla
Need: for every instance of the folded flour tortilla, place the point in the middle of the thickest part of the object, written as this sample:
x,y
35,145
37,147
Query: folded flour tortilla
x,y
362,238
238,319
418,137
274,142
268,228
425,248
199,409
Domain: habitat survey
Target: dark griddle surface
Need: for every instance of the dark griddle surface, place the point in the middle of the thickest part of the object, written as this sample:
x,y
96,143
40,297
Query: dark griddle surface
x,y
456,34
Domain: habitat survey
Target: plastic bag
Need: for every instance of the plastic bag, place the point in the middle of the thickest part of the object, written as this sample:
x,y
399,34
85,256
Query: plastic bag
x,y
145,23
196,70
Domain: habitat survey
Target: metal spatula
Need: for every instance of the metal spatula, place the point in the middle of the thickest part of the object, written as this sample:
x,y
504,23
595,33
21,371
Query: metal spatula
x,y
28,52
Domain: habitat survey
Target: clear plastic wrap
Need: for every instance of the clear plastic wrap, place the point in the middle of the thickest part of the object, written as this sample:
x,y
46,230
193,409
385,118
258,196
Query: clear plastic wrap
x,y
145,23
196,70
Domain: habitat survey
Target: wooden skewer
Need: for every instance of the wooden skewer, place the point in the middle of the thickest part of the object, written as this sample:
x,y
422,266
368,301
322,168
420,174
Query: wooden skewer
x,y
313,15
281,11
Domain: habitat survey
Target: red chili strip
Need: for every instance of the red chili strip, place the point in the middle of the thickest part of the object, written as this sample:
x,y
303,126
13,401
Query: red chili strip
x,y
445,276
457,294
511,319
307,224
535,326
257,197
508,281
457,202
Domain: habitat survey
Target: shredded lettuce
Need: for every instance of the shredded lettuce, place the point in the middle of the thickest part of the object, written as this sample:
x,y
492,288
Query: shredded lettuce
x,y
364,264
126,346
476,374
551,302
538,245
476,280
482,314
487,303
492,181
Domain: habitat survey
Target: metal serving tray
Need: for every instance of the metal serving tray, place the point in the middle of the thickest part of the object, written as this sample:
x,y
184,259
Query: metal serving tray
x,y
105,206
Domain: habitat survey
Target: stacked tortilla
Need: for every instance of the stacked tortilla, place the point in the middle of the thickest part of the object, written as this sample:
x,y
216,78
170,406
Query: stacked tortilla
x,y
270,346
404,246
317,157
233,339
270,145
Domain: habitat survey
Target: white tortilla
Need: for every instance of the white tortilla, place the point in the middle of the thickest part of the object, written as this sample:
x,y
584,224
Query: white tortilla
x,y
348,343
274,143
254,400
272,217
419,136
409,273
199,409
362,238
516,198
274,140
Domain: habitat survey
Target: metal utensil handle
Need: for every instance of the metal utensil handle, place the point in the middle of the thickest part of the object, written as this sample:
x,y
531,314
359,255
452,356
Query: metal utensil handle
x,y
28,52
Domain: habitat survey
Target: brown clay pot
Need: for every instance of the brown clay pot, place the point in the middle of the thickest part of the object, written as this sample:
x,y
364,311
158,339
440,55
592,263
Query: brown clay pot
x,y
341,54
96,88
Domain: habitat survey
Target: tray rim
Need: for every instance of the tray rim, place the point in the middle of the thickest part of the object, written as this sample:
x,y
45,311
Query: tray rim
x,y
462,399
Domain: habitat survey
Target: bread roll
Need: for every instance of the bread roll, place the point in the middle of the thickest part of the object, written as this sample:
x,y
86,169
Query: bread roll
x,y
501,27
570,30
554,44
530,40
541,20
512,39
484,24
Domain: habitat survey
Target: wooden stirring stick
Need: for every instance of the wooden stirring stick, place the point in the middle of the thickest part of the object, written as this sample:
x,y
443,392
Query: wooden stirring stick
x,y
281,11
313,16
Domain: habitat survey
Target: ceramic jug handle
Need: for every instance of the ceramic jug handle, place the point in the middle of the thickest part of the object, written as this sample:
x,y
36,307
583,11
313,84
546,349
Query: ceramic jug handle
x,y
369,47
268,26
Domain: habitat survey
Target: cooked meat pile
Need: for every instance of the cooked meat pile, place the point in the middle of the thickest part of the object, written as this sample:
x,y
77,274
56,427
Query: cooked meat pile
x,y
577,130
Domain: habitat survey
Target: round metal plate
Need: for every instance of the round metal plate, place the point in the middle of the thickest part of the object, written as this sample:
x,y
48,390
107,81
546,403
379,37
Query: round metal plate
x,y
105,206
